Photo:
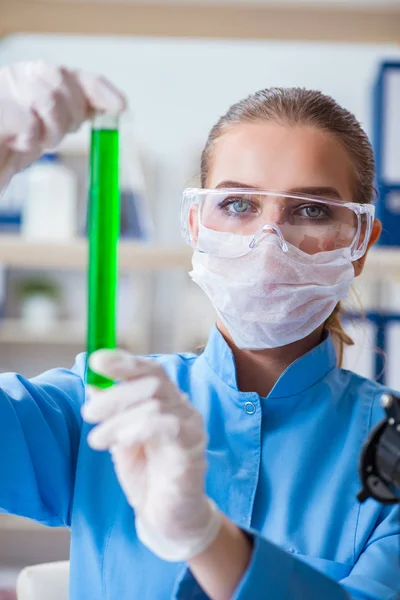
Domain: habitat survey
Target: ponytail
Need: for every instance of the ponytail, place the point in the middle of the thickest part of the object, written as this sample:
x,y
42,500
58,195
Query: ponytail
x,y
339,336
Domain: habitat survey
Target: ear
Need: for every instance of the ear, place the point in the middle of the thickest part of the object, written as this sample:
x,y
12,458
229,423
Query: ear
x,y
375,235
194,222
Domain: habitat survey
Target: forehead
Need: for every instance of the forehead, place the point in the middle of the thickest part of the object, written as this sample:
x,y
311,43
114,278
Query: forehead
x,y
279,157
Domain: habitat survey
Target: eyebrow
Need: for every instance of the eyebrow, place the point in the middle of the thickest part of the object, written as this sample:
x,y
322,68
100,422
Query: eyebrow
x,y
235,184
320,191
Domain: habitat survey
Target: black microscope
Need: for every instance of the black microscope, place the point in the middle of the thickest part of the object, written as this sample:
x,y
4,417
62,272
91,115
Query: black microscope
x,y
379,465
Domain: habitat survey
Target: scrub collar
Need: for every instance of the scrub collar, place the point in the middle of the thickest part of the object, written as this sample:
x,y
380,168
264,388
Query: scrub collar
x,y
302,374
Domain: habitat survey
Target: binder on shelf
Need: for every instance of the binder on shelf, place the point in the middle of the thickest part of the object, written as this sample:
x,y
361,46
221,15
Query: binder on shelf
x,y
386,142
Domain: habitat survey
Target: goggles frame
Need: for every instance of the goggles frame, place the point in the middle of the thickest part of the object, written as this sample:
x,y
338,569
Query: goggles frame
x,y
191,196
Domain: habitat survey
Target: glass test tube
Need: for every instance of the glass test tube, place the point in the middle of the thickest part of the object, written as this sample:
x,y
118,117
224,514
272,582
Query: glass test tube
x,y
103,233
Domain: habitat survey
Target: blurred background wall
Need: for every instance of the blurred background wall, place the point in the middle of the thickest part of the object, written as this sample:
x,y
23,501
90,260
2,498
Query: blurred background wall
x,y
177,88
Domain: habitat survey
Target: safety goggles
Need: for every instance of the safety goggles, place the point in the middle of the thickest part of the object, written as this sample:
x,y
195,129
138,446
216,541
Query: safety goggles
x,y
244,217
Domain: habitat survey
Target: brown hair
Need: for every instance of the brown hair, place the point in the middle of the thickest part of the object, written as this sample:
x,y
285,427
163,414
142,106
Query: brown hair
x,y
298,106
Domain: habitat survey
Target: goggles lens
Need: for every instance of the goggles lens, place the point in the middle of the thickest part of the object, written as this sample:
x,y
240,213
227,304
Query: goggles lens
x,y
310,224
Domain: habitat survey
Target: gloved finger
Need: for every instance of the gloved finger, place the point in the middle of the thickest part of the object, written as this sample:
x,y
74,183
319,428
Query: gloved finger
x,y
20,129
131,427
53,94
55,117
76,101
132,463
62,104
121,365
160,428
186,430
104,436
102,96
104,404
40,88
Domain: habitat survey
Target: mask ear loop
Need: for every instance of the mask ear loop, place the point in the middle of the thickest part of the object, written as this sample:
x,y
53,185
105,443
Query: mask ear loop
x,y
272,229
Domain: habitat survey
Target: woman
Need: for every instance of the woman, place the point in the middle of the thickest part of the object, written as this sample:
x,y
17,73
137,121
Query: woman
x,y
232,474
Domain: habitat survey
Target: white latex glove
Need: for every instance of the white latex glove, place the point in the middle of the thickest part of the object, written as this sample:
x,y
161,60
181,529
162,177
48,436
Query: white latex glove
x,y
40,104
157,441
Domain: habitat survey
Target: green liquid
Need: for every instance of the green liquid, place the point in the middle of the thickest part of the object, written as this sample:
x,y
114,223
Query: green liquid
x,y
103,231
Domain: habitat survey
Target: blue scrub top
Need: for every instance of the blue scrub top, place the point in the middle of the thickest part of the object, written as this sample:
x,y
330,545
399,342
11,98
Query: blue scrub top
x,y
283,467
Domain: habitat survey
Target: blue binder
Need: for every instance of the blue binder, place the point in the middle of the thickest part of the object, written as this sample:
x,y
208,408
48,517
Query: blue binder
x,y
388,206
388,188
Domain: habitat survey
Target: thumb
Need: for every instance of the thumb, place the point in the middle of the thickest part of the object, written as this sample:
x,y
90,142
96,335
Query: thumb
x,y
115,364
101,94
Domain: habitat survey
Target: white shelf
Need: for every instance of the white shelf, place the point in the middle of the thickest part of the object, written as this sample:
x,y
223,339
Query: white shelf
x,y
327,20
14,331
382,263
65,332
18,253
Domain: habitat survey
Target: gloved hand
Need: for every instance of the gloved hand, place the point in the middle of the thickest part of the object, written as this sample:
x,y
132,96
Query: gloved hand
x,y
157,441
40,103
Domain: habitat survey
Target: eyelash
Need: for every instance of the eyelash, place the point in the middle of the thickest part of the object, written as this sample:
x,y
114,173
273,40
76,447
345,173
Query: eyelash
x,y
227,202
325,210
230,201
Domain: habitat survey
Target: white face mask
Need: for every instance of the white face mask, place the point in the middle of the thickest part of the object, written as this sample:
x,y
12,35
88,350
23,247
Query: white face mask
x,y
270,298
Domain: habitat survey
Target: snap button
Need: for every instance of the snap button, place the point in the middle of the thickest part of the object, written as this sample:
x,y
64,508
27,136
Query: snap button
x,y
250,408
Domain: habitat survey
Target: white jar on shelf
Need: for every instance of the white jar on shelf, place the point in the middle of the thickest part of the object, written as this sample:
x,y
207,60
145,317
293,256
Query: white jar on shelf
x,y
39,300
49,212
39,313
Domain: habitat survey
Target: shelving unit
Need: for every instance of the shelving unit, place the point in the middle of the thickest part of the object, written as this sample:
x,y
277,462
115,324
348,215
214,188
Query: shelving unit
x,y
324,20
65,333
17,253
381,263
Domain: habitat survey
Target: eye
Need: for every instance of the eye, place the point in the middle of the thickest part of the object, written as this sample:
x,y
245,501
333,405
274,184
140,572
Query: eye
x,y
236,206
313,211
